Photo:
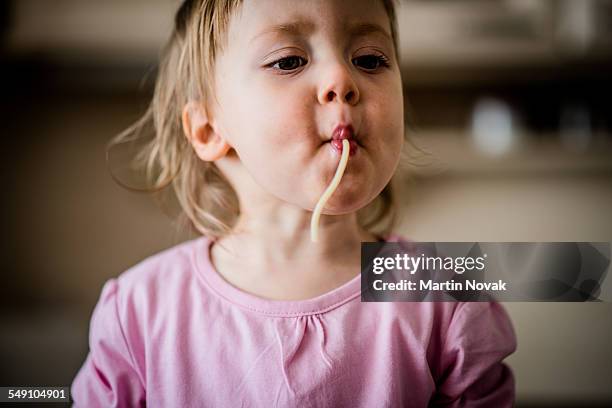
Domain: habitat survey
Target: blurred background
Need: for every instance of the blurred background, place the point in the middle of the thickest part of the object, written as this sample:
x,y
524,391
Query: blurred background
x,y
509,101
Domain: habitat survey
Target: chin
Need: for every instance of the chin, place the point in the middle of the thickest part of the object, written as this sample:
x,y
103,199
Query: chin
x,y
346,204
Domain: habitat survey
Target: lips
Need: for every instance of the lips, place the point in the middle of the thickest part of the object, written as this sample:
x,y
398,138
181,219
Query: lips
x,y
340,133
343,132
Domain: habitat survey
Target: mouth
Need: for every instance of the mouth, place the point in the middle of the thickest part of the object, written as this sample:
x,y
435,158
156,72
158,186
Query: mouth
x,y
340,133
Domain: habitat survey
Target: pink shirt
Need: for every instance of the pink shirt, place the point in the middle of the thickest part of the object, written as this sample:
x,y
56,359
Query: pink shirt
x,y
171,332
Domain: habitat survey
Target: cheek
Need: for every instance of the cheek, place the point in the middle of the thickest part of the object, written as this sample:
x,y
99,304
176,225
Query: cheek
x,y
275,142
386,128
286,172
277,117
392,104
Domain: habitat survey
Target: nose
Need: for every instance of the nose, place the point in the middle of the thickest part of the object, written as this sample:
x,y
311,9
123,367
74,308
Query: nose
x,y
338,86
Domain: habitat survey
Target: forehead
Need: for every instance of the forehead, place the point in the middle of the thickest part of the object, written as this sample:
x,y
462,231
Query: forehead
x,y
259,19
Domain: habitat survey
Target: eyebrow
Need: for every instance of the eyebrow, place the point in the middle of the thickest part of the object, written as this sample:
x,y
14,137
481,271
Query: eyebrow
x,y
293,28
363,29
305,27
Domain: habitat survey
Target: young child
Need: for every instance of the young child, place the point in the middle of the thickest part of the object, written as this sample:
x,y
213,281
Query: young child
x,y
253,313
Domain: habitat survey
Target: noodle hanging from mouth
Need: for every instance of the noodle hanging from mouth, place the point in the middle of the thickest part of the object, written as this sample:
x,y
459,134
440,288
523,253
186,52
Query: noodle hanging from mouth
x,y
314,221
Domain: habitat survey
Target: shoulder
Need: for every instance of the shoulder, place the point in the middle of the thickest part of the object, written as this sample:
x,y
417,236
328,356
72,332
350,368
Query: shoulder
x,y
441,325
479,332
478,322
164,268
395,237
469,365
152,287
160,262
131,310
458,313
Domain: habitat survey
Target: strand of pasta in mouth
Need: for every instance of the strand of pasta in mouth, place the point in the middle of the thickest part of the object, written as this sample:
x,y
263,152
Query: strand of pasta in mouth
x,y
314,221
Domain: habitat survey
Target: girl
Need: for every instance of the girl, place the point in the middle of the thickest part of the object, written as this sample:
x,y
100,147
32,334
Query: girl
x,y
249,96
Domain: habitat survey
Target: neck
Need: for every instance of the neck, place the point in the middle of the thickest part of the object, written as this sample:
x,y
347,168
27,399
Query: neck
x,y
284,237
273,257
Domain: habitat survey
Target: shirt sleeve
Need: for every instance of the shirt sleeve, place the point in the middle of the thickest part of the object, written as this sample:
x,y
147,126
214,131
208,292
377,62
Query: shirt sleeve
x,y
108,377
472,373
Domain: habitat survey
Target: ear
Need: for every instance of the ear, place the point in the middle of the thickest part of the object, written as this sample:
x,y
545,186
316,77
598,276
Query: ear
x,y
207,143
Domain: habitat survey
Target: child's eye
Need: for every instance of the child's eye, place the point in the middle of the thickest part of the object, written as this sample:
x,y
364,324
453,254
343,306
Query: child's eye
x,y
371,62
288,63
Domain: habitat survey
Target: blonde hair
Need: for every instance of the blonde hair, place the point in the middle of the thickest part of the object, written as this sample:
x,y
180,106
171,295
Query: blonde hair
x,y
209,204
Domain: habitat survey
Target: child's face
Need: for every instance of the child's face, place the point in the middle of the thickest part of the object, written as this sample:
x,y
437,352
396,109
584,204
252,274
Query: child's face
x,y
281,94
